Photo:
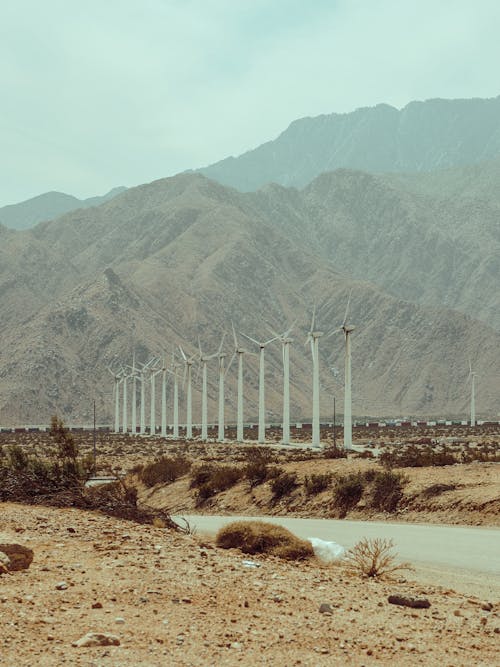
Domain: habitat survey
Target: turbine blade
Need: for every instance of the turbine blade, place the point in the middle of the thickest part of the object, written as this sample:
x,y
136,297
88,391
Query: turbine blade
x,y
182,352
313,317
271,340
230,362
235,338
250,339
347,308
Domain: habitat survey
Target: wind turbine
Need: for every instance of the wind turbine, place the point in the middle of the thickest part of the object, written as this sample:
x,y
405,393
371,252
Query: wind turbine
x,y
188,362
164,399
238,352
222,357
472,376
125,377
142,379
262,408
116,391
347,329
175,368
285,351
153,370
134,396
313,339
204,408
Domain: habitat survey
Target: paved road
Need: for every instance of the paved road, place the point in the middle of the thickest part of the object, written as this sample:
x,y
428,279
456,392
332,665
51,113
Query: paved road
x,y
462,557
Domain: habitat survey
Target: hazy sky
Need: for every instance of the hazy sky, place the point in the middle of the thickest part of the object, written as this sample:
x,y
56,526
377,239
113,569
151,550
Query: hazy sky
x,y
102,93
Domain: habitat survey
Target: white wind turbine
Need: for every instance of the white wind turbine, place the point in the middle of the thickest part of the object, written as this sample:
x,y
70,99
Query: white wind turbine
x,y
204,391
134,396
313,337
116,391
221,426
164,398
143,380
472,376
285,341
188,367
262,406
125,377
347,329
238,352
174,371
153,370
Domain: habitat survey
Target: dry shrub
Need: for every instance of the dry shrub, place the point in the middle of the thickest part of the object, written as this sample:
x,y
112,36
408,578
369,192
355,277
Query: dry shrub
x,y
164,470
334,452
283,485
387,490
259,537
317,483
348,492
373,558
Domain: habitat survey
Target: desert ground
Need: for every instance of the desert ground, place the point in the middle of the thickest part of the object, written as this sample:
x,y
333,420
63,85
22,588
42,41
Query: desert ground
x,y
174,598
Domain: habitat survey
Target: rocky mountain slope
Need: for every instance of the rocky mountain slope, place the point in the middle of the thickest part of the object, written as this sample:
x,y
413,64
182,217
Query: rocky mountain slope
x,y
178,259
423,136
47,206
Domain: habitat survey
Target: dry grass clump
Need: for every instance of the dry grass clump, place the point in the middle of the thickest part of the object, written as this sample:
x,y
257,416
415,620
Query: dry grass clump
x,y
373,558
164,470
260,537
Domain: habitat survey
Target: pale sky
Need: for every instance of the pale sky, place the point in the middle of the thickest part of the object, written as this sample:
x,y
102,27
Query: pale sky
x,y
102,93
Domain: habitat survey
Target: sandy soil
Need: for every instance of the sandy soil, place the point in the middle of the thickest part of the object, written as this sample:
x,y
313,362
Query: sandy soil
x,y
173,601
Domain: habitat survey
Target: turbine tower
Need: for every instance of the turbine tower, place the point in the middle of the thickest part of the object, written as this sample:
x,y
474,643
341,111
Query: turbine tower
x,y
472,376
220,429
175,367
125,377
134,396
313,339
262,407
188,364
164,399
238,352
116,392
153,370
347,329
204,393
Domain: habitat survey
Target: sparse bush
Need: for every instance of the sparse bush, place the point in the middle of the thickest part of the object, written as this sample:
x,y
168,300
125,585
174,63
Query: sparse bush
x,y
258,472
210,480
260,537
165,469
201,475
437,489
348,492
373,558
283,485
414,456
387,490
317,483
334,452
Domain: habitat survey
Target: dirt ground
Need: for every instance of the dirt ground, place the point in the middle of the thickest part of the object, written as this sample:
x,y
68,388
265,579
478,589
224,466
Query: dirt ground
x,y
172,600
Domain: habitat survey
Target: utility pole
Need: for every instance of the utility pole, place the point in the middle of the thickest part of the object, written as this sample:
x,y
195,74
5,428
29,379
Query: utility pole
x,y
334,421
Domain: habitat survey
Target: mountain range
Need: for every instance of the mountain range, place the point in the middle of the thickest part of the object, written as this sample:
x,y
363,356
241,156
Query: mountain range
x,y
422,136
47,206
175,260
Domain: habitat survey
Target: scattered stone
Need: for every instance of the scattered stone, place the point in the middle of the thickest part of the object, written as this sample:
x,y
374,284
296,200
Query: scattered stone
x,y
97,639
20,556
325,608
487,606
415,603
4,563
97,605
119,620
71,529
61,586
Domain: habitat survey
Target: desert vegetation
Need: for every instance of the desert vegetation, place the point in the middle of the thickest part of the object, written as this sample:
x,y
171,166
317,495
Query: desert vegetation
x,y
261,537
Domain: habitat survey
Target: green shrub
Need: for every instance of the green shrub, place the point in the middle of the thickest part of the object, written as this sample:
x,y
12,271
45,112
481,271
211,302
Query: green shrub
x,y
317,483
